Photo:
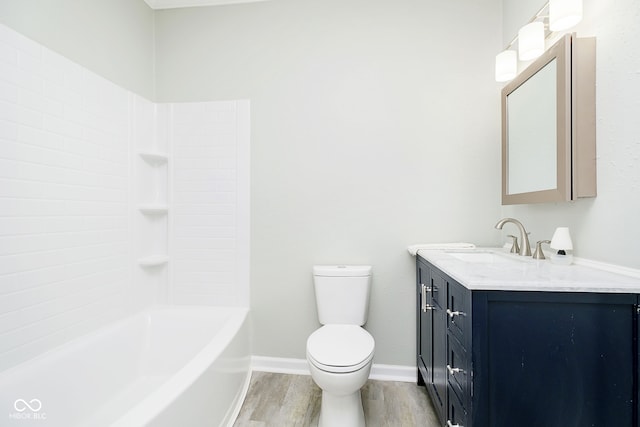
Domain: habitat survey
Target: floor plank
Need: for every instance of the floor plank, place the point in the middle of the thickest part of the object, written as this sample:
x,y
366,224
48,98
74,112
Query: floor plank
x,y
282,400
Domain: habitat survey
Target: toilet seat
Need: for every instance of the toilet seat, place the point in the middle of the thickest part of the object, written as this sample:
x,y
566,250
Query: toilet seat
x,y
340,348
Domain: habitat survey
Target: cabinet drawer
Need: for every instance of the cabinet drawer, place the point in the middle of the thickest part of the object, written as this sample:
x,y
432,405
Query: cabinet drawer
x,y
457,367
458,310
456,413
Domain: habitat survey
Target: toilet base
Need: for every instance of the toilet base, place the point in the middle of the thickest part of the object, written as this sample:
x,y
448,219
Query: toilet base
x,y
343,411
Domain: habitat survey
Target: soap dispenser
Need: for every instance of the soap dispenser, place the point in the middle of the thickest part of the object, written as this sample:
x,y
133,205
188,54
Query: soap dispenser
x,y
561,242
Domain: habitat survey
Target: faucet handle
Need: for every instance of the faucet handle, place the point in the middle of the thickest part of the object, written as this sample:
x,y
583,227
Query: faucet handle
x,y
515,248
539,254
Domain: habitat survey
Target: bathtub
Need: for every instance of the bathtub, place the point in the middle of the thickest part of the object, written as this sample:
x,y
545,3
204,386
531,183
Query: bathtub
x,y
166,366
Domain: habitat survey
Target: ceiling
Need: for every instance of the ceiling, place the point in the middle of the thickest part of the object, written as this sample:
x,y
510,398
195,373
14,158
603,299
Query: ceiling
x,y
172,4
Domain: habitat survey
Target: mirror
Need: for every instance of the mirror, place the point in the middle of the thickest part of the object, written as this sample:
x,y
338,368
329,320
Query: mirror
x,y
548,126
532,143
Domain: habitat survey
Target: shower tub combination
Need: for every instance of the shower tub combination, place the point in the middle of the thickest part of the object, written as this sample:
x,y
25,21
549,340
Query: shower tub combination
x,y
166,366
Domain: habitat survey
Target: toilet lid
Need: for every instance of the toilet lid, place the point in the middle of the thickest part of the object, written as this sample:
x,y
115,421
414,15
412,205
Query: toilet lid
x,y
340,345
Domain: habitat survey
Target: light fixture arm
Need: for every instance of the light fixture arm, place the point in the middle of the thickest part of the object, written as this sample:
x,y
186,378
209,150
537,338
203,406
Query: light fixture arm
x,y
555,15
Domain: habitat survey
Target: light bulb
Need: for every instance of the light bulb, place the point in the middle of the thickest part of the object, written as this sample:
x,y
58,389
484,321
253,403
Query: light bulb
x,y
564,14
506,65
531,41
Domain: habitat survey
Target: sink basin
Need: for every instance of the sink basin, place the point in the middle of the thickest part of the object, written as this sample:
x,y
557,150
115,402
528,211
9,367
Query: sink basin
x,y
483,257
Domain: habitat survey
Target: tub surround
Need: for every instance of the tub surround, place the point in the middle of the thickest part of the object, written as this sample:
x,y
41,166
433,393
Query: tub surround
x,y
65,230
109,201
209,187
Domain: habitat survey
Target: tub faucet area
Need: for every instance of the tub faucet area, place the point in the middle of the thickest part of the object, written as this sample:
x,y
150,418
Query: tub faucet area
x,y
525,247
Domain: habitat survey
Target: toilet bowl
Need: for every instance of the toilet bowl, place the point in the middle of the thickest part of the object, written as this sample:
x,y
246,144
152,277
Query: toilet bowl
x,y
340,358
340,353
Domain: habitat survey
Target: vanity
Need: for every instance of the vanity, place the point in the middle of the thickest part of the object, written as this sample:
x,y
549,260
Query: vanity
x,y
504,340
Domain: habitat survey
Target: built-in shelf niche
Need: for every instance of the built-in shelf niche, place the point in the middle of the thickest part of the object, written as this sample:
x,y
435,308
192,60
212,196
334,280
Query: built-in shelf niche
x,y
154,158
152,179
152,231
156,260
150,204
153,208
152,170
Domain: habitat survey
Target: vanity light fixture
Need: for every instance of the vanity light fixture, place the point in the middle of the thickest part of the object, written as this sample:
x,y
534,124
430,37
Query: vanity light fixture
x,y
506,65
555,15
564,14
531,41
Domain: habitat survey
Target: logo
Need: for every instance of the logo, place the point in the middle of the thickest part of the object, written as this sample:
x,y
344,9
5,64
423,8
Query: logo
x,y
27,410
21,405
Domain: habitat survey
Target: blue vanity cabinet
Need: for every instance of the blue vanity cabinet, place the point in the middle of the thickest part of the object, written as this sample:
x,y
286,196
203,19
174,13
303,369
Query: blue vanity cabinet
x,y
431,335
534,359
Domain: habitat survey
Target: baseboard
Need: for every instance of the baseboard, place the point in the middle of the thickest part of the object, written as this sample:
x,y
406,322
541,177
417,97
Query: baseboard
x,y
407,374
379,372
280,365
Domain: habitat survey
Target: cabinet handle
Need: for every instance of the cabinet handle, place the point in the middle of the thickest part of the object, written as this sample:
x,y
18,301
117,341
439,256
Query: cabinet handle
x,y
455,313
453,371
449,424
423,298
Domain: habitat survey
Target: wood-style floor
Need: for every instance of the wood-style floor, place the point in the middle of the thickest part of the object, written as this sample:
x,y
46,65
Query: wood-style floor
x,y
281,400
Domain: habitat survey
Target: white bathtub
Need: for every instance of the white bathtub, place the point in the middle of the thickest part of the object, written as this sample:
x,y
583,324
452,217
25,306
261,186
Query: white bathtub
x,y
167,366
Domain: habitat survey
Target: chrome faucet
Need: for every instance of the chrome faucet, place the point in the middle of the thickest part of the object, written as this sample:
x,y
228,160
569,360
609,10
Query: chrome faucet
x,y
525,247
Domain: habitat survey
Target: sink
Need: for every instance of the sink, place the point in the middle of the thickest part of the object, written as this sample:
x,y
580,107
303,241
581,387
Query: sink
x,y
481,257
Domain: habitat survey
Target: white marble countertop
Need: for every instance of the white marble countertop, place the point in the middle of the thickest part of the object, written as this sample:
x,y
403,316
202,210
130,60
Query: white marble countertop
x,y
510,272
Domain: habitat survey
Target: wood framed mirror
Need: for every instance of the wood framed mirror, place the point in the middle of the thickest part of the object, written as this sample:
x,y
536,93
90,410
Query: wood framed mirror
x,y
548,126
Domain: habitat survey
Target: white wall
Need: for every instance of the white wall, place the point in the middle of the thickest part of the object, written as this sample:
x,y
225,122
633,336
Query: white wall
x,y
516,13
374,126
604,228
113,38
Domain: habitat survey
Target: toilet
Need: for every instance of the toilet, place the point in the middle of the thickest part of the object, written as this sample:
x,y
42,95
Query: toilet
x,y
340,352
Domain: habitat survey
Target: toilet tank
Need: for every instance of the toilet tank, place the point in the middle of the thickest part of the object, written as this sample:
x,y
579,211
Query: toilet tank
x,y
342,293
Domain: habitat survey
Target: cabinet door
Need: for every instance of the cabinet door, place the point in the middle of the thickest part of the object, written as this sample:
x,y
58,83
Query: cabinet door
x,y
424,343
439,368
456,414
559,360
